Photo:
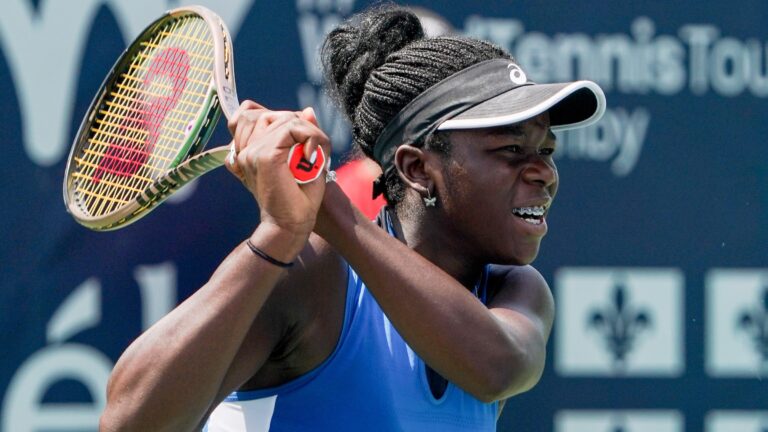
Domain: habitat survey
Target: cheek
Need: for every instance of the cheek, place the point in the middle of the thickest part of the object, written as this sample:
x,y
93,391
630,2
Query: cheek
x,y
471,198
459,198
555,185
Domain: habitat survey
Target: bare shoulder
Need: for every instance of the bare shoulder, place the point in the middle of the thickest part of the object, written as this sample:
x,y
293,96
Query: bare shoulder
x,y
524,289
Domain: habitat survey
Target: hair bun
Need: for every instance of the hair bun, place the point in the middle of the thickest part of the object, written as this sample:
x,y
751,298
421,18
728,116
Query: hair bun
x,y
354,49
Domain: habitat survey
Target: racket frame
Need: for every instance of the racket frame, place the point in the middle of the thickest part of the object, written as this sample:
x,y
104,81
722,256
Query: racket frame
x,y
189,163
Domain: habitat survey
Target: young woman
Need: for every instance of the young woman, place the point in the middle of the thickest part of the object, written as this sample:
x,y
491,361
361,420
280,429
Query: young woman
x,y
427,319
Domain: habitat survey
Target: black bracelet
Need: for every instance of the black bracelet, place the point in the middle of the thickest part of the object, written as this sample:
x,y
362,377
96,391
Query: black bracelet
x,y
266,257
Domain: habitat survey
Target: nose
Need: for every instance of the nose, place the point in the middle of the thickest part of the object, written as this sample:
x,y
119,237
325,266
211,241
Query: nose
x,y
538,170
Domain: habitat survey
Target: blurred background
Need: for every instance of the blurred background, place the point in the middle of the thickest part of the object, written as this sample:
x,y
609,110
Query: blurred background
x,y
658,245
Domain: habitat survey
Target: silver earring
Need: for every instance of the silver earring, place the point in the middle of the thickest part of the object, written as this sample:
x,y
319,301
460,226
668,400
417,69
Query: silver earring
x,y
429,200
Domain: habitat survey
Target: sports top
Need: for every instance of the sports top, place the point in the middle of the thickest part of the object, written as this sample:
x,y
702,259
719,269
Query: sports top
x,y
373,381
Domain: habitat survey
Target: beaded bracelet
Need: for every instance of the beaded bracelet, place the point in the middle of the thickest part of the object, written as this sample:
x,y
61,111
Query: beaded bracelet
x,y
266,257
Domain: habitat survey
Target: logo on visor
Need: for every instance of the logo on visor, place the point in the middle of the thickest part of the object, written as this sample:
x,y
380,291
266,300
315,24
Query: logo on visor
x,y
516,75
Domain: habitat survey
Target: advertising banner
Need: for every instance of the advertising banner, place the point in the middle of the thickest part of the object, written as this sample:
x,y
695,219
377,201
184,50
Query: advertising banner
x,y
657,253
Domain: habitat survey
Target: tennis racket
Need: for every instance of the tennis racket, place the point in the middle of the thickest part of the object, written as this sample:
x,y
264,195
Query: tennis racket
x,y
141,140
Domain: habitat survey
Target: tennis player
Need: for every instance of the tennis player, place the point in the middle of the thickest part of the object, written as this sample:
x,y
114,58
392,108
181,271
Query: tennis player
x,y
427,319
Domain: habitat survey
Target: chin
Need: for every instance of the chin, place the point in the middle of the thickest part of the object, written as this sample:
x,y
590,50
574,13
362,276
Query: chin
x,y
522,257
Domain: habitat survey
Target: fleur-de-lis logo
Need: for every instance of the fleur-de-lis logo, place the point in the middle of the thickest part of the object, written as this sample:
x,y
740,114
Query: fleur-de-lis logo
x,y
619,323
618,424
754,321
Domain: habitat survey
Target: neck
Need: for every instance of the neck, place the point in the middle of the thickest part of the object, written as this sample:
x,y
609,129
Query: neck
x,y
419,234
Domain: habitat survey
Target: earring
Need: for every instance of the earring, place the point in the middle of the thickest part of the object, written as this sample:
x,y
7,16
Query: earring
x,y
429,200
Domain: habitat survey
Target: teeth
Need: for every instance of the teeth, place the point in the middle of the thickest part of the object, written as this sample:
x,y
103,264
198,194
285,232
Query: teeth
x,y
533,221
537,211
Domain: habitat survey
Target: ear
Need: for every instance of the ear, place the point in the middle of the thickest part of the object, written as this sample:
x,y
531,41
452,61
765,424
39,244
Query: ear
x,y
411,163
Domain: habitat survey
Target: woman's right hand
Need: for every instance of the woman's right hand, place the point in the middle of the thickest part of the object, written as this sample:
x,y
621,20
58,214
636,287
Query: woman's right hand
x,y
263,139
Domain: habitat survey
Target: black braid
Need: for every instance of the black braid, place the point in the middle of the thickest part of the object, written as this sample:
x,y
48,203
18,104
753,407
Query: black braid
x,y
379,60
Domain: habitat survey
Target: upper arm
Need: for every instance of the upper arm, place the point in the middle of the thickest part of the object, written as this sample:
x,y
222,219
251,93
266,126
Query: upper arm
x,y
525,292
275,349
522,301
268,330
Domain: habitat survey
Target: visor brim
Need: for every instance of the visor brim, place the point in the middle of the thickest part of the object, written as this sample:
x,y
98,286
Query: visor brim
x,y
570,105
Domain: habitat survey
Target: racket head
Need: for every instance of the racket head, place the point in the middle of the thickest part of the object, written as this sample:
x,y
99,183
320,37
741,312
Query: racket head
x,y
157,107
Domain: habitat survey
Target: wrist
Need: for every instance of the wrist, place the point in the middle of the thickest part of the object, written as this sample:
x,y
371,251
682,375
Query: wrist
x,y
335,213
277,242
339,222
267,257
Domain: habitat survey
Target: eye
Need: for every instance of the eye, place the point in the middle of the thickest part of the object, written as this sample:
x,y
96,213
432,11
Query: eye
x,y
547,151
513,148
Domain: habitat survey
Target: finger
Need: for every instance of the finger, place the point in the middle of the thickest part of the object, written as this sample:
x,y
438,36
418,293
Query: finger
x,y
233,167
274,119
312,137
275,145
242,134
267,152
306,115
309,115
263,118
251,120
309,149
250,129
244,106
301,131
260,123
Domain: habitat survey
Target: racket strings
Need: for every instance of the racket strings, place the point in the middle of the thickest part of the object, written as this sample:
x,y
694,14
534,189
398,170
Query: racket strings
x,y
149,113
124,157
116,156
142,128
193,40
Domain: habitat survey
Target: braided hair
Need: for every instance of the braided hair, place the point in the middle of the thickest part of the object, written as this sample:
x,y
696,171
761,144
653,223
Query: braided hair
x,y
380,60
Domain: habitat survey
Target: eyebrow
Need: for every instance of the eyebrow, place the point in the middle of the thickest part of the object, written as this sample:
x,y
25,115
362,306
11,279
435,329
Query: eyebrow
x,y
515,129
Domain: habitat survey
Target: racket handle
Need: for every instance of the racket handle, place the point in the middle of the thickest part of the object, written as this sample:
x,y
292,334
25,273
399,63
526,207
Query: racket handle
x,y
303,170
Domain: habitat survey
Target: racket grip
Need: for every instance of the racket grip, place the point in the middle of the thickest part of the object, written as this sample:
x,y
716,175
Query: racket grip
x,y
303,170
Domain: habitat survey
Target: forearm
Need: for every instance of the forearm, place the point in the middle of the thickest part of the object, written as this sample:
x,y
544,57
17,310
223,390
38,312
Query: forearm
x,y
168,378
440,319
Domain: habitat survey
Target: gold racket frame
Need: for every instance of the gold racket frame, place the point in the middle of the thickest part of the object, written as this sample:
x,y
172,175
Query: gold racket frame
x,y
190,164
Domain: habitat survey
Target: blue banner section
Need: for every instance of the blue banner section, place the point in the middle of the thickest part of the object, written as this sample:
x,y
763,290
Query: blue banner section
x,y
658,246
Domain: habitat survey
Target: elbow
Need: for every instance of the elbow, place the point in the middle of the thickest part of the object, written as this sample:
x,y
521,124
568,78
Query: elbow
x,y
109,419
509,376
108,422
130,408
122,412
112,420
116,416
123,419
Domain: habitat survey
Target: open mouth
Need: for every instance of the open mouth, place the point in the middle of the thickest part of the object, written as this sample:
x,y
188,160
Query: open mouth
x,y
532,215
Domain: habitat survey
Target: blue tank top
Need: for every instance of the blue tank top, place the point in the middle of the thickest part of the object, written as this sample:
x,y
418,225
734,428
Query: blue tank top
x,y
373,381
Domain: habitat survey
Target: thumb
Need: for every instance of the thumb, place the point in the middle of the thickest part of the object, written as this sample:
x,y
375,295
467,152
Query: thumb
x,y
308,114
